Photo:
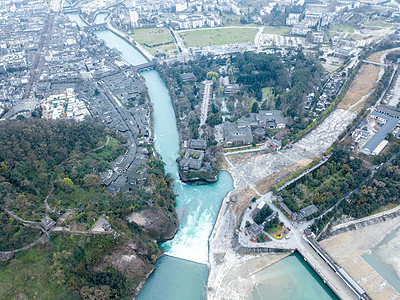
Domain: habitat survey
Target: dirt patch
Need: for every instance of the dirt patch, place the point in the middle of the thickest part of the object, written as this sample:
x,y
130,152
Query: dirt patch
x,y
376,57
361,86
240,158
264,185
242,199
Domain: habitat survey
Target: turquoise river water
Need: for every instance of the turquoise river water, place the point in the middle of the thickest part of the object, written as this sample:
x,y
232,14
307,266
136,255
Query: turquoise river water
x,y
385,258
182,272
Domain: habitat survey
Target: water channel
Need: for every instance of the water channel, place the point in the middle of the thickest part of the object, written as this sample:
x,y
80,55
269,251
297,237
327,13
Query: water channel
x,y
182,272
385,258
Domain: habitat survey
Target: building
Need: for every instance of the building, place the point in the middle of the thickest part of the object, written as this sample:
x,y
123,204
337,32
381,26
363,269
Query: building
x,y
300,29
187,77
198,145
388,111
47,223
271,119
275,144
231,88
389,119
64,105
292,19
308,211
255,230
235,135
193,159
317,38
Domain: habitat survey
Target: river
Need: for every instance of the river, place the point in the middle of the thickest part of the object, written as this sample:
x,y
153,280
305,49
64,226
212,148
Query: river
x,y
182,272
385,258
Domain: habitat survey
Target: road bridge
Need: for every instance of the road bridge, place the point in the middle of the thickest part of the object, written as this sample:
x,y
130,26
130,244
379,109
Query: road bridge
x,y
146,66
375,63
343,285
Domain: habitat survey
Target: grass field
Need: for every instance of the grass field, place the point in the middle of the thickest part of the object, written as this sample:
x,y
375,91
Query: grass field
x,y
267,92
155,40
219,36
385,208
30,276
282,30
361,85
342,28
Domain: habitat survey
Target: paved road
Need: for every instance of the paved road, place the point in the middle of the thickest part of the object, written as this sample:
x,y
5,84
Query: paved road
x,y
206,101
258,37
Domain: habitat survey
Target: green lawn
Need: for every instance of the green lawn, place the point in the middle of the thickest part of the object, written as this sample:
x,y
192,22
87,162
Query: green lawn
x,y
267,93
155,40
342,28
385,208
152,36
354,36
219,36
281,30
277,229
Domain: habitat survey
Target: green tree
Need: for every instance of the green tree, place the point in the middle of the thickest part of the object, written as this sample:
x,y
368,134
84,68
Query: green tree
x,y
255,108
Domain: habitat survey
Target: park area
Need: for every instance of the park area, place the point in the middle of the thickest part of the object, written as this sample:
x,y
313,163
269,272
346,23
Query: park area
x,y
155,40
218,36
360,87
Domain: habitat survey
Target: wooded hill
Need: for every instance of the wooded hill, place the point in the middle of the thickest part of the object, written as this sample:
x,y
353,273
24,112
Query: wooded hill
x,y
75,266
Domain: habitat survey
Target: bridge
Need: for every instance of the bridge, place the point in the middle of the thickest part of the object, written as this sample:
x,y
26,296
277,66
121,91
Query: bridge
x,y
344,286
375,63
146,66
95,27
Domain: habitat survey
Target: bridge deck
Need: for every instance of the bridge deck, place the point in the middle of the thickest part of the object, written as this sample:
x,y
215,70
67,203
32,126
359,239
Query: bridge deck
x,y
145,66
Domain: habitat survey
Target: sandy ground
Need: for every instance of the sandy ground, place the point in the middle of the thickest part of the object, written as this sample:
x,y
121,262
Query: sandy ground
x,y
265,184
361,86
348,249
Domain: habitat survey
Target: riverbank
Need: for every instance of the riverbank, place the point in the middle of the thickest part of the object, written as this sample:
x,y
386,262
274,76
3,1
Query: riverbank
x,y
348,249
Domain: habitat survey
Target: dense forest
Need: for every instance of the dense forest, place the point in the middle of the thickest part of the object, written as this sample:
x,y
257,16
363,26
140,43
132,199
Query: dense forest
x,y
382,189
290,76
288,79
75,266
324,186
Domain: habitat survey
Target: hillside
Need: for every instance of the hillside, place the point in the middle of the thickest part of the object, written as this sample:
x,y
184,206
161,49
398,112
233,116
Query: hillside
x,y
75,262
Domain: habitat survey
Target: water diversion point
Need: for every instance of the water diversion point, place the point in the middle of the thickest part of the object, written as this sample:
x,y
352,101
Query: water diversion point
x,y
191,241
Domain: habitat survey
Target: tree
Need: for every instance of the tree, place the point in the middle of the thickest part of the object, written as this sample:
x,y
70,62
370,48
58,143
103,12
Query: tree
x,y
67,182
255,108
262,214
